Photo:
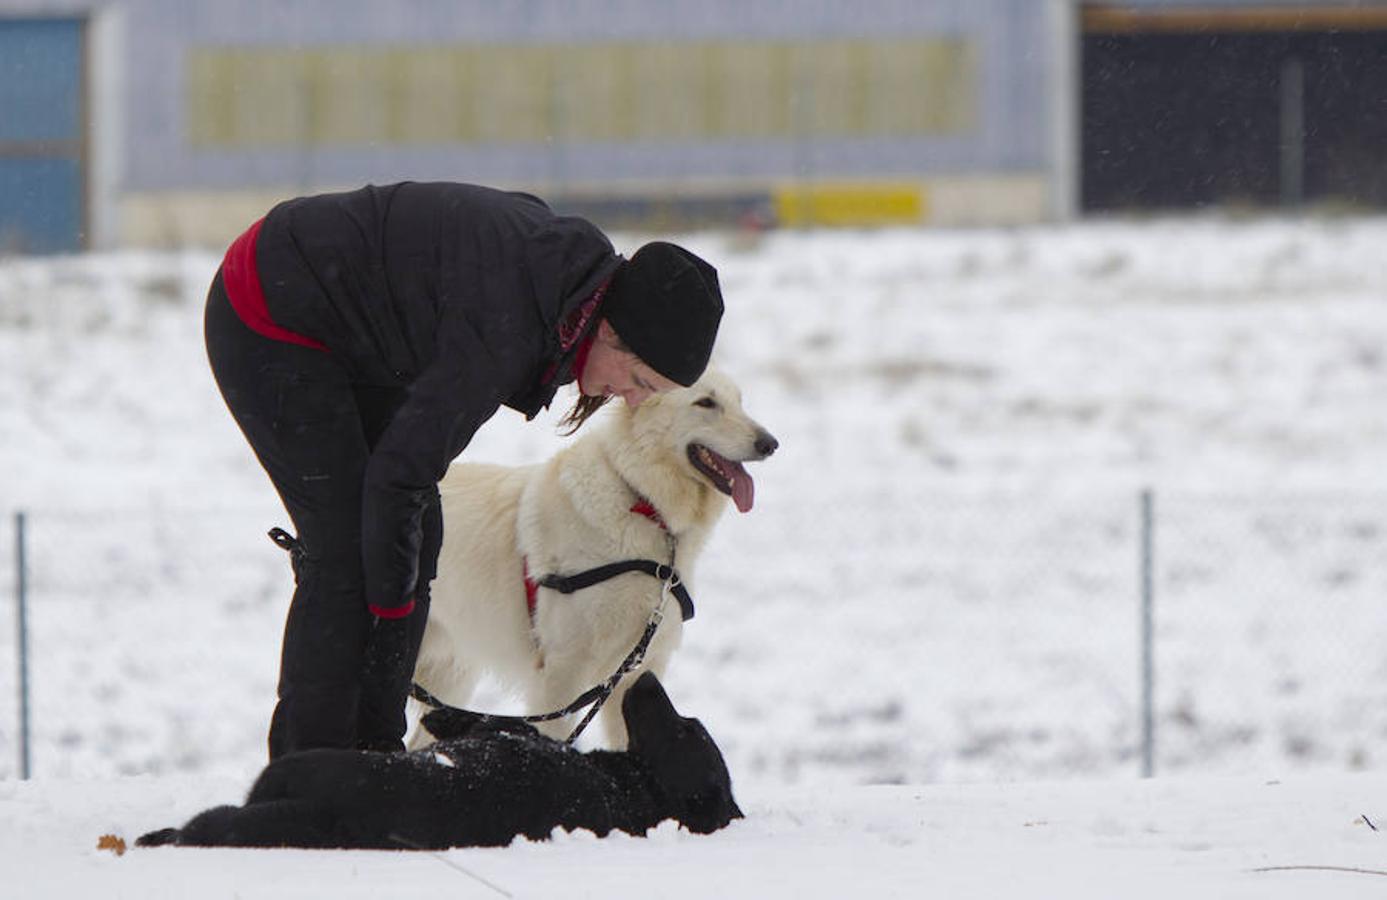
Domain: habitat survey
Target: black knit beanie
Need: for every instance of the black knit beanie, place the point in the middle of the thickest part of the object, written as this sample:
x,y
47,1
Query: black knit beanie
x,y
665,304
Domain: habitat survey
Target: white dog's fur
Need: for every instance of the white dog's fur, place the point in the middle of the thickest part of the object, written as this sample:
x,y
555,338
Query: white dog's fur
x,y
572,513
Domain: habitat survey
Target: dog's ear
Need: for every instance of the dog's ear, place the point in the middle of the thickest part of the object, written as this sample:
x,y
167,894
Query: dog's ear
x,y
652,723
648,697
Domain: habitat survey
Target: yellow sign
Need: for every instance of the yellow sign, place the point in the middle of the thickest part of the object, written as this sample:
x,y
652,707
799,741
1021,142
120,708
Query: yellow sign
x,y
848,204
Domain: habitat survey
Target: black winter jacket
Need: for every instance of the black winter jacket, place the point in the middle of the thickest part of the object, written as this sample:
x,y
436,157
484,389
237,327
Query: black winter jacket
x,y
454,292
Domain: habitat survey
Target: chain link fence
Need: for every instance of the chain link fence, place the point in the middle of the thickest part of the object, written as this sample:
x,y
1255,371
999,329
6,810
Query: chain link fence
x,y
914,637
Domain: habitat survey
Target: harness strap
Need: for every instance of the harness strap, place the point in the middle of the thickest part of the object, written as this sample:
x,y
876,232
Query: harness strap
x,y
424,696
531,589
298,557
644,507
595,697
568,584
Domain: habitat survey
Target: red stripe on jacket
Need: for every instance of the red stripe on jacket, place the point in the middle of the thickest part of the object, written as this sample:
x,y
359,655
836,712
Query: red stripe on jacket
x,y
392,612
242,282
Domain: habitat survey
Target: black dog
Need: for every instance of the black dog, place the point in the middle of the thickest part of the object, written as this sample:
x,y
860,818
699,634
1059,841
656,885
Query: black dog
x,y
485,781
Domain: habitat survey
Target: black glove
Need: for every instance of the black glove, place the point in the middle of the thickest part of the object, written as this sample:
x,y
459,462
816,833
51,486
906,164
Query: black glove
x,y
393,648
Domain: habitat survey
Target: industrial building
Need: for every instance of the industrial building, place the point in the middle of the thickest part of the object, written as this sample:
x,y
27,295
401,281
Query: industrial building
x,y
157,123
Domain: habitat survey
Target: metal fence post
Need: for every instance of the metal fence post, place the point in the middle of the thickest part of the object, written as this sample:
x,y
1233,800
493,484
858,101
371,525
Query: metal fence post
x,y
22,639
1148,602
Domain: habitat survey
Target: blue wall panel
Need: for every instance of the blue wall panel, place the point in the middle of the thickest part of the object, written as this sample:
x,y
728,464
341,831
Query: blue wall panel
x,y
41,135
40,205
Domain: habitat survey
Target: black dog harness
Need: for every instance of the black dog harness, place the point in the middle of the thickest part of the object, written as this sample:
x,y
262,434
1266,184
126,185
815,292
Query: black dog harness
x,y
570,584
598,695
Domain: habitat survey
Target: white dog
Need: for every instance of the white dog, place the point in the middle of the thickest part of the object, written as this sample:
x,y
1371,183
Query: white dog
x,y
649,483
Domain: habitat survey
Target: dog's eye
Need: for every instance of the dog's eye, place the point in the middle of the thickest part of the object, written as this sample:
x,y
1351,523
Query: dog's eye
x,y
706,403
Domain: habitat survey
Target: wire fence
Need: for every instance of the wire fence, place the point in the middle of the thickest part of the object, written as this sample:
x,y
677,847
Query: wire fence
x,y
916,638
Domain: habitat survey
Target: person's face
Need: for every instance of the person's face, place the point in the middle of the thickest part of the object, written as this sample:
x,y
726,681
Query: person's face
x,y
612,370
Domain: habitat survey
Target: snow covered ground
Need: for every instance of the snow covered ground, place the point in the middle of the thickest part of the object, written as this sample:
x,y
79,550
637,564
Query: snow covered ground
x,y
937,592
1190,838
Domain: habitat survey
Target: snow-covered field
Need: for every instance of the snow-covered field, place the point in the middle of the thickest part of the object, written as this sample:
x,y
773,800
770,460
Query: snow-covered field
x,y
1192,839
938,586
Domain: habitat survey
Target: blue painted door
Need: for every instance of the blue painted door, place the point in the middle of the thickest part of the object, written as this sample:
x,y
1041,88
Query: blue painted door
x,y
42,136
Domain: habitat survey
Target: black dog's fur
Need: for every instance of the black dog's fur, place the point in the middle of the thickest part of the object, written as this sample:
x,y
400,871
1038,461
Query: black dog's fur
x,y
485,781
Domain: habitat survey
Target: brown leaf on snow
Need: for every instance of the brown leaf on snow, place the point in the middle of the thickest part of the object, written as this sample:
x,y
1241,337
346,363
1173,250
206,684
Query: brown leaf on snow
x,y
111,842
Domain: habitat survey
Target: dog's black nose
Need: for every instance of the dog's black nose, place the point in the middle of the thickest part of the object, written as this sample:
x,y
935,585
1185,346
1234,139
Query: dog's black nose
x,y
766,444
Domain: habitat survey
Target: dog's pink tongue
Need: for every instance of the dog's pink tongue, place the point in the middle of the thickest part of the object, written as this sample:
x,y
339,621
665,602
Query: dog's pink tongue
x,y
743,488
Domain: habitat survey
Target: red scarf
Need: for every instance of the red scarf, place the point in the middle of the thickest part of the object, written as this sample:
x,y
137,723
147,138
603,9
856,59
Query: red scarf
x,y
571,331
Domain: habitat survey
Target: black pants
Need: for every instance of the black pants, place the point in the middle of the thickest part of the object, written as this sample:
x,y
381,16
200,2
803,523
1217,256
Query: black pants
x,y
344,674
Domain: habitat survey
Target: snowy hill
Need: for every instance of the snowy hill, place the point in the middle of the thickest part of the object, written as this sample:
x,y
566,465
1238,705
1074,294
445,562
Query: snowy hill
x,y
938,584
